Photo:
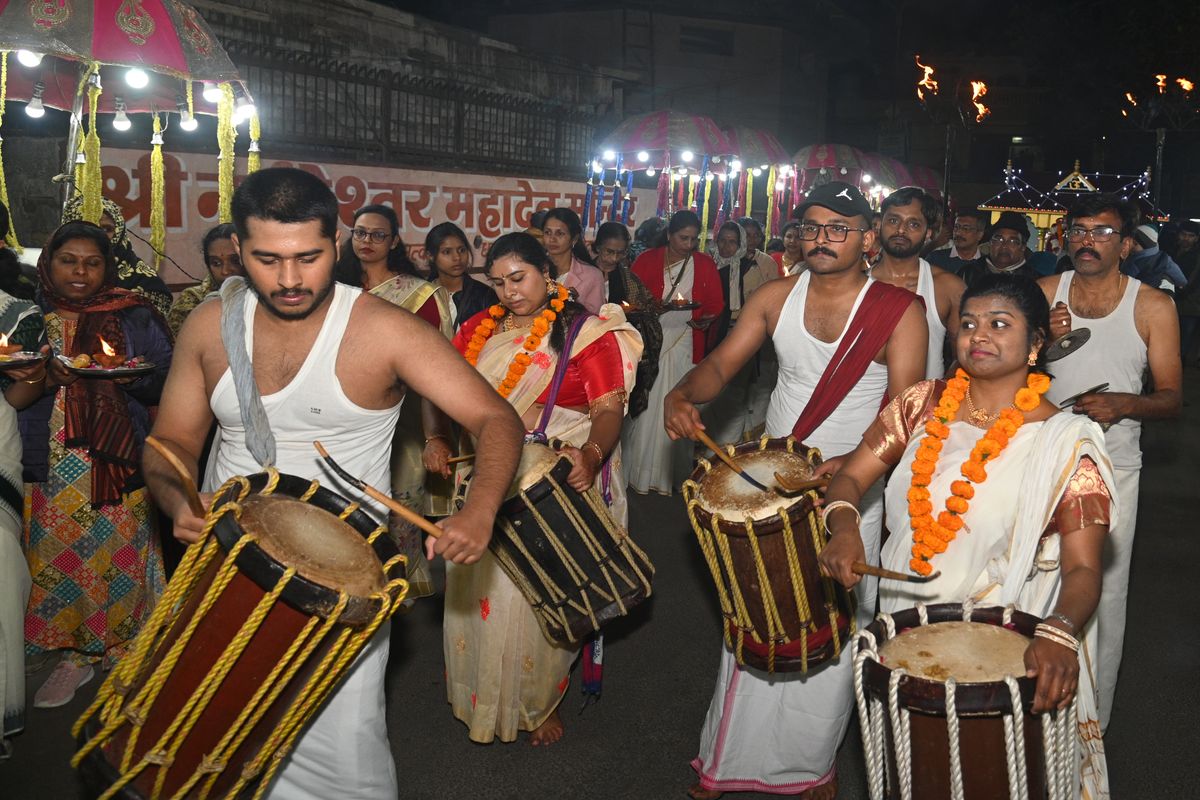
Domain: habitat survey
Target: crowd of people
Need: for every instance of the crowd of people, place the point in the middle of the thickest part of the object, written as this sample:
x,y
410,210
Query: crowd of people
x,y
915,353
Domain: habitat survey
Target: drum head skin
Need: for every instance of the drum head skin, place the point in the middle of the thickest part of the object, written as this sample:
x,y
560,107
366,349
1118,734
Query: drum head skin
x,y
724,492
969,652
321,547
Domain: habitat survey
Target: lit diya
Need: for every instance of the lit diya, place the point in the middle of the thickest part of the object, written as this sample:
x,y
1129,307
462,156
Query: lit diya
x,y
11,355
108,358
106,363
680,303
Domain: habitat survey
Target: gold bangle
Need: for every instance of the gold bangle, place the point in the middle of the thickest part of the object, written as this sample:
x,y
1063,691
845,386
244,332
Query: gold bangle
x,y
36,380
596,449
441,436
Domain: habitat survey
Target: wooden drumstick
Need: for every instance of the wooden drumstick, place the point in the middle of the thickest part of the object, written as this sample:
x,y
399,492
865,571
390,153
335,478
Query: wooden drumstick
x,y
461,459
801,486
863,568
707,441
189,486
370,491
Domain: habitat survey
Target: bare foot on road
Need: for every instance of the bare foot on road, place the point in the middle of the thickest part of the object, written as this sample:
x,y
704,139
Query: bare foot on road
x,y
548,732
698,792
826,791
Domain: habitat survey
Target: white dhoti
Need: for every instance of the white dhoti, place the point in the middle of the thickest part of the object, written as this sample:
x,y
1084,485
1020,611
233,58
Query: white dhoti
x,y
348,737
780,733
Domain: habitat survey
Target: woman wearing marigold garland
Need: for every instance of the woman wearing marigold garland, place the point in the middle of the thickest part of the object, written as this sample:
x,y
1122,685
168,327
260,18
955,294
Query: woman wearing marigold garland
x,y
1002,493
502,675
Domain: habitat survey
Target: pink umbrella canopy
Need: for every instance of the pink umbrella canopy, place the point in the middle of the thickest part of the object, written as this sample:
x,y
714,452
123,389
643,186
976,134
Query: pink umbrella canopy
x,y
756,147
886,171
828,157
927,178
167,37
660,131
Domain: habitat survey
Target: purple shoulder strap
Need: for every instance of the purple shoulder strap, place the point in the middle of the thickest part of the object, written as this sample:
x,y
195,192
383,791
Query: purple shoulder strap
x,y
560,373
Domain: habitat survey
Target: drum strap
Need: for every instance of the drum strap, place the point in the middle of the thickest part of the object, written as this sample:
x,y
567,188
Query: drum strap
x,y
556,382
259,439
878,315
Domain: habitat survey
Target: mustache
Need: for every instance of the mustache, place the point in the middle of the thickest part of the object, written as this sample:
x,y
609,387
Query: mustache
x,y
1087,250
821,251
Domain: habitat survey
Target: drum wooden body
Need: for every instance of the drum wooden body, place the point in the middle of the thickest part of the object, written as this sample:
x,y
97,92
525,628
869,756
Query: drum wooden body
x,y
780,614
573,563
907,664
257,627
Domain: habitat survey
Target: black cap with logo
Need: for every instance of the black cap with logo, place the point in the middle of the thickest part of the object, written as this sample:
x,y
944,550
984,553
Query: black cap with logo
x,y
841,198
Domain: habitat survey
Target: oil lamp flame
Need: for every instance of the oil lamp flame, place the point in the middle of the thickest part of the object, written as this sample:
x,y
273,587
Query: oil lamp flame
x,y
927,81
1132,100
3,340
107,348
978,90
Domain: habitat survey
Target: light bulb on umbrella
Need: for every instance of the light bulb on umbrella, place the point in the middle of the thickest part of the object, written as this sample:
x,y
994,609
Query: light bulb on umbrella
x,y
137,78
34,107
29,58
121,122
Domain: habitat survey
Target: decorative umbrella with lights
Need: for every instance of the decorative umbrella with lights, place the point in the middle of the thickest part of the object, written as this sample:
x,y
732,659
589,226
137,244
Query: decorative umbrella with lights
x,y
828,161
135,56
763,157
881,176
679,147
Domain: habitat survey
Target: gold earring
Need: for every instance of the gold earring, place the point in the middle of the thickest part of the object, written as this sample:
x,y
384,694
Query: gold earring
x,y
1032,359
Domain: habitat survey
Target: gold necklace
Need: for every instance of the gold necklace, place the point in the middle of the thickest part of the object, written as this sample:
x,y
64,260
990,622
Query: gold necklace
x,y
979,417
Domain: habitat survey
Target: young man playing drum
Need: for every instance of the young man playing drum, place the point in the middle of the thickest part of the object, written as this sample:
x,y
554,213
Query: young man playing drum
x,y
844,342
299,358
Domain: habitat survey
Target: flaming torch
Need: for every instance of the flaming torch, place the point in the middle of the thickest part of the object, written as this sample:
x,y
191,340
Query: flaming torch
x,y
1161,83
978,90
1185,84
927,81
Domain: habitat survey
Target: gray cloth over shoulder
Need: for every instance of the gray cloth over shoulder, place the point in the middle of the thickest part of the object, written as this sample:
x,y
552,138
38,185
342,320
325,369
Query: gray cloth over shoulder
x,y
260,442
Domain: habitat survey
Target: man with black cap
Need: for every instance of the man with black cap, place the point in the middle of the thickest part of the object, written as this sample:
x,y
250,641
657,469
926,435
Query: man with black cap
x,y
1006,240
965,239
844,341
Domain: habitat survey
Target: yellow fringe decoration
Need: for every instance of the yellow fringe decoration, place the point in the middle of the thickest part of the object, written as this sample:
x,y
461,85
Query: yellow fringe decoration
x,y
708,193
11,237
691,196
254,159
158,228
671,193
93,179
191,107
226,138
770,200
749,192
79,176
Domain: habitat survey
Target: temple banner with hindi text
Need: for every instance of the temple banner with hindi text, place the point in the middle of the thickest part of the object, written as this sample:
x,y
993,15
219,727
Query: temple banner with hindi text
x,y
484,206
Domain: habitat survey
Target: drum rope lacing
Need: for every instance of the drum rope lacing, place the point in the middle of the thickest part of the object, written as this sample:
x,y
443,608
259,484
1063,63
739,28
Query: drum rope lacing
x,y
1058,727
158,628
714,544
553,609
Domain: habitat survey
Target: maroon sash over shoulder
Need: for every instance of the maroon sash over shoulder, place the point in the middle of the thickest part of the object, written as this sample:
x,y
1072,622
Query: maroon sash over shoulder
x,y
872,326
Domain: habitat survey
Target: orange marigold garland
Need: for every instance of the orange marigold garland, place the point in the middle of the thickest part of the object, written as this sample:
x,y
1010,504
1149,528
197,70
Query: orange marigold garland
x,y
931,536
522,360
